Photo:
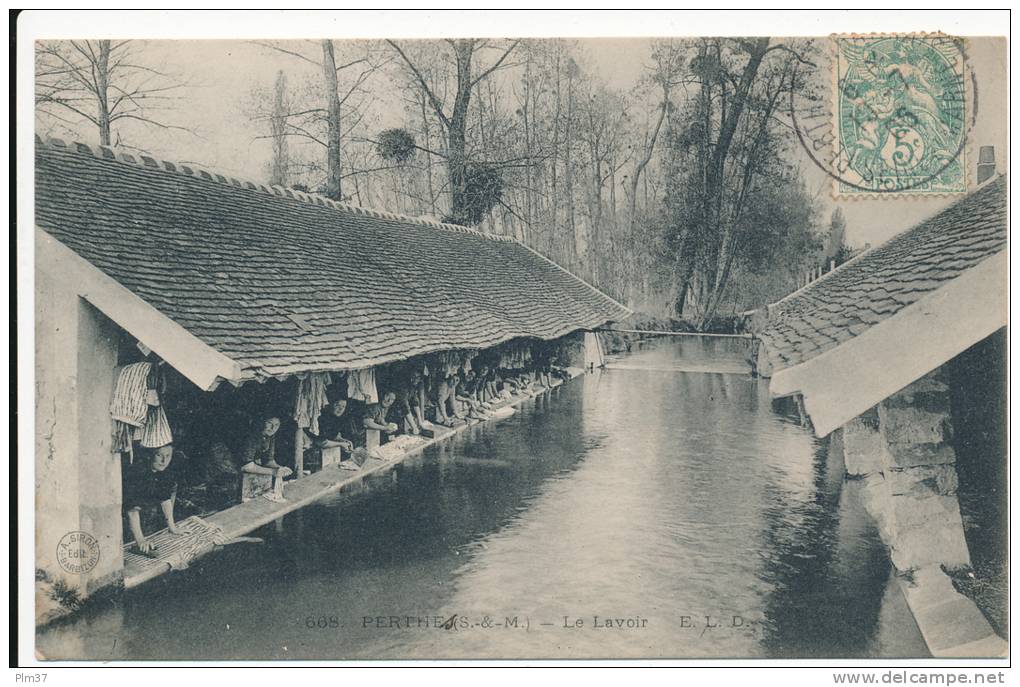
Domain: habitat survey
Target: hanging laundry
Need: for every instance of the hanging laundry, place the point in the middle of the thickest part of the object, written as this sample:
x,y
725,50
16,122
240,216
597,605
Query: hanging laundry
x,y
361,385
122,433
310,399
514,355
450,362
129,394
136,408
156,430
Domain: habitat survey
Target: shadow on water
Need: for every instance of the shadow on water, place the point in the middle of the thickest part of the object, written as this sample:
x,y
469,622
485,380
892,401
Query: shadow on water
x,y
677,501
827,575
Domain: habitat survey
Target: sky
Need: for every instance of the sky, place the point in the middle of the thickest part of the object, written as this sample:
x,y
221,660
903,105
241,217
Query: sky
x,y
221,74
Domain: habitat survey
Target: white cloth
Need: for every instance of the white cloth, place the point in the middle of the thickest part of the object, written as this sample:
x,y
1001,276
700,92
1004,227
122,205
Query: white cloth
x,y
137,406
361,385
156,430
310,400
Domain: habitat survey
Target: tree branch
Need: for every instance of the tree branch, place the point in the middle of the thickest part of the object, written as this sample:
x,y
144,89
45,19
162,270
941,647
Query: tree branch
x,y
277,48
495,66
433,100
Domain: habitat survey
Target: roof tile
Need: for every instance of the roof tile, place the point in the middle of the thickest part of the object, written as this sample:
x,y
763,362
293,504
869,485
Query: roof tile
x,y
241,266
875,286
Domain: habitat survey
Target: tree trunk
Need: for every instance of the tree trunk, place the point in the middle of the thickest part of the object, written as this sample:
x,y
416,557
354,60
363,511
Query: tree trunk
x,y
643,162
456,142
428,154
102,88
333,130
716,167
568,175
554,198
278,127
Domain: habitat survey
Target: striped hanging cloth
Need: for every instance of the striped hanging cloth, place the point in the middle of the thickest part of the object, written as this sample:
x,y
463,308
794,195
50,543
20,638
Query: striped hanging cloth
x,y
136,409
156,430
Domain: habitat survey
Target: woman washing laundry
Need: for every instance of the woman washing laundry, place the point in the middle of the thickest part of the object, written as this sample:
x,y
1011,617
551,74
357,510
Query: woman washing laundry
x,y
259,455
335,426
151,482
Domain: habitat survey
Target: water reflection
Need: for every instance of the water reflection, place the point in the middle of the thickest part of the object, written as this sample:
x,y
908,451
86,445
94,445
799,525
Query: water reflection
x,y
676,502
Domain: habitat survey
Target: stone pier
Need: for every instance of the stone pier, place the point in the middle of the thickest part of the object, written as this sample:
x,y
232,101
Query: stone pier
x,y
78,521
901,452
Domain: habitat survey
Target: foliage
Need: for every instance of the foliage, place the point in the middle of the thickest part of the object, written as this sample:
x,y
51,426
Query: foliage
x,y
483,188
735,208
395,145
65,595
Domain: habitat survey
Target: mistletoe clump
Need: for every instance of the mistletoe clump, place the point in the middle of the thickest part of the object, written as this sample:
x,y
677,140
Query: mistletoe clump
x,y
395,145
483,189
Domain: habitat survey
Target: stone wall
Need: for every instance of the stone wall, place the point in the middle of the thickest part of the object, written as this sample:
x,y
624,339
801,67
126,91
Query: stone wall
x,y
901,450
77,478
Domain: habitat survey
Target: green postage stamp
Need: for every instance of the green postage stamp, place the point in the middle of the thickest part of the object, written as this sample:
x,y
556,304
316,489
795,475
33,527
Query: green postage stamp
x,y
901,115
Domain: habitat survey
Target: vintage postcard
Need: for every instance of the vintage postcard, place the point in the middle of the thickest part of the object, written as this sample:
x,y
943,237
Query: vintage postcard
x,y
472,346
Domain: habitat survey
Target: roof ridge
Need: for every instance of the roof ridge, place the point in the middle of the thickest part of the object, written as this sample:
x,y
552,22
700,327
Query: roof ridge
x,y
145,160
575,276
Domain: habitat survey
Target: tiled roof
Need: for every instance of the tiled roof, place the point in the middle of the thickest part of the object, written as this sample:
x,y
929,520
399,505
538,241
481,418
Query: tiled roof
x,y
281,281
876,285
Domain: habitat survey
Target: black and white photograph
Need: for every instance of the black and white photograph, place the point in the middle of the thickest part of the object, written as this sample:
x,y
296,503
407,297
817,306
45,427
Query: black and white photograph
x,y
388,338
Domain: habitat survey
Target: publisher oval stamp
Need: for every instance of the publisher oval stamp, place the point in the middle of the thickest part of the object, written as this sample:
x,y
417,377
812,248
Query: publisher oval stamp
x,y
78,552
898,121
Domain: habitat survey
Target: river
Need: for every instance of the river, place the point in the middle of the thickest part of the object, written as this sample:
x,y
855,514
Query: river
x,y
639,511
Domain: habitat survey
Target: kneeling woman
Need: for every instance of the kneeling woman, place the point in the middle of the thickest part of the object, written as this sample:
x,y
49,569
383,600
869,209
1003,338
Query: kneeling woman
x,y
151,482
259,456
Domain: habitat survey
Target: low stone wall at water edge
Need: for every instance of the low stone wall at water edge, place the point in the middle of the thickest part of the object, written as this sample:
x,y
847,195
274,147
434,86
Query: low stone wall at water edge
x,y
621,341
902,453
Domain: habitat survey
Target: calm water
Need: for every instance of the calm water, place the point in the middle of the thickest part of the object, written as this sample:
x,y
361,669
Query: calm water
x,y
678,500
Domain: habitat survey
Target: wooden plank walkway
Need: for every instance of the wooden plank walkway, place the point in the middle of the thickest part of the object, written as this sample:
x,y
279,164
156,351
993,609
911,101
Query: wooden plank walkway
x,y
207,533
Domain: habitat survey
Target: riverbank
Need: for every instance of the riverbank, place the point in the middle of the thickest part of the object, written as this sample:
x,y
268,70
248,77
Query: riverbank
x,y
617,339
237,521
233,524
554,511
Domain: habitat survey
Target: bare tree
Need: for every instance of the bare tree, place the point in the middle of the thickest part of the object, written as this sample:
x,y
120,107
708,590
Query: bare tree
x,y
324,123
455,122
101,82
280,164
669,59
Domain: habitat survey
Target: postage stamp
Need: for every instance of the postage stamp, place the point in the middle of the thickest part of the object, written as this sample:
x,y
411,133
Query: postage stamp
x,y
901,115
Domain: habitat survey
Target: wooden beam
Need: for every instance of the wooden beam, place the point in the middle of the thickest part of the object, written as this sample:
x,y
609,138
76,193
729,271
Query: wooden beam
x,y
668,333
299,453
186,353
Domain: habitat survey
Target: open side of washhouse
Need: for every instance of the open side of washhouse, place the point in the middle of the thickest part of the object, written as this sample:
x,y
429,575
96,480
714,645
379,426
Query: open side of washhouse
x,y
242,301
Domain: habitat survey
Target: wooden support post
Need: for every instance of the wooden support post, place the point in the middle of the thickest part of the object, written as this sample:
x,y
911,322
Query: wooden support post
x,y
253,485
299,453
330,456
371,439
